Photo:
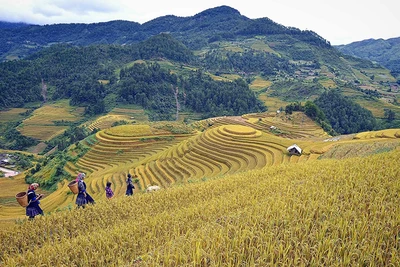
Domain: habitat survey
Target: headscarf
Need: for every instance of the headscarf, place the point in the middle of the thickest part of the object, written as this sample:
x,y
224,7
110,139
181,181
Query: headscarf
x,y
33,186
129,180
80,176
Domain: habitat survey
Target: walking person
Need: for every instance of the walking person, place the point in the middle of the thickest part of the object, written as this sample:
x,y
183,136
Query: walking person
x,y
129,185
109,192
83,197
33,207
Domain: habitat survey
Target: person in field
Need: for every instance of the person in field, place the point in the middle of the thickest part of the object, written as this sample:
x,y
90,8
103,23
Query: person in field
x,y
129,185
109,192
33,207
83,197
79,176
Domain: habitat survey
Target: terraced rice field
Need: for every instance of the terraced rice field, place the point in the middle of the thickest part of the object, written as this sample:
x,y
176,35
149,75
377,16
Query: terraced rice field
x,y
134,113
40,124
328,83
106,121
272,103
220,150
227,145
13,114
259,84
295,126
387,133
321,213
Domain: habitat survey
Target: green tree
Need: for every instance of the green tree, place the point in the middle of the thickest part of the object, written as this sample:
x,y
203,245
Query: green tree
x,y
389,114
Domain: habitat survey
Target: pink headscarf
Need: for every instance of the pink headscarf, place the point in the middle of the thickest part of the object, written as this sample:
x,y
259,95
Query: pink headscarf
x,y
80,176
33,186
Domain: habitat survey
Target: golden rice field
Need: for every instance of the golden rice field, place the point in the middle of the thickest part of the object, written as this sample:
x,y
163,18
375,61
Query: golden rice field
x,y
128,114
106,121
227,147
318,213
134,113
377,106
129,130
272,103
13,114
259,83
294,126
40,124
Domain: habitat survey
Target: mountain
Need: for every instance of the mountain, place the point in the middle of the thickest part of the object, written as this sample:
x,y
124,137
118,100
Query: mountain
x,y
220,23
13,25
220,60
384,52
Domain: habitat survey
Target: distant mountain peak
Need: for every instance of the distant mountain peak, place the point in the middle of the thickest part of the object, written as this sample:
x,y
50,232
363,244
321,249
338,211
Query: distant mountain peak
x,y
224,10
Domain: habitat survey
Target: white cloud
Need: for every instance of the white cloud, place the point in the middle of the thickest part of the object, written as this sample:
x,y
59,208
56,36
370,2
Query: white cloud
x,y
48,11
86,7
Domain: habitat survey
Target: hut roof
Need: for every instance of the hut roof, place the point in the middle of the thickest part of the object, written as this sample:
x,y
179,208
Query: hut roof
x,y
295,147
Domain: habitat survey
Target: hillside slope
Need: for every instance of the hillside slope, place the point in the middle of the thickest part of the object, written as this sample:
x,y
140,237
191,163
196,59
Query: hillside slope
x,y
328,212
385,52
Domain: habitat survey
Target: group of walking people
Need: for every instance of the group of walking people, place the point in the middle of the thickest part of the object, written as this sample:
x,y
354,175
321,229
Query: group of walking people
x,y
82,198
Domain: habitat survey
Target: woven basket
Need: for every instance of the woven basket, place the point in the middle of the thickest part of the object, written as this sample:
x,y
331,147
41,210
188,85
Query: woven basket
x,y
22,198
74,187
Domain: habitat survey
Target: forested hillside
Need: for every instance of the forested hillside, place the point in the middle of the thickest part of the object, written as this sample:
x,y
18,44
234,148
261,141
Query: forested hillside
x,y
221,23
385,52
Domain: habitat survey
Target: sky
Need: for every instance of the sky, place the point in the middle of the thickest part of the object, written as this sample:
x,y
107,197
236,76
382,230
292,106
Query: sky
x,y
339,21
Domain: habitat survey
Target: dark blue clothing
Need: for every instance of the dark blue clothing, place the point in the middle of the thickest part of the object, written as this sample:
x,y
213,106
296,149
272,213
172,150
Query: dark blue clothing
x,y
33,207
81,199
129,187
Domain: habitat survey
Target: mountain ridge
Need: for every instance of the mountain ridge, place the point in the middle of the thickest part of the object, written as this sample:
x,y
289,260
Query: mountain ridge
x,y
383,51
193,31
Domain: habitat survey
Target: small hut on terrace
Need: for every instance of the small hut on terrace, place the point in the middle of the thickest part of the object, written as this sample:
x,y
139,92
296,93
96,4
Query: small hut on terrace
x,y
294,150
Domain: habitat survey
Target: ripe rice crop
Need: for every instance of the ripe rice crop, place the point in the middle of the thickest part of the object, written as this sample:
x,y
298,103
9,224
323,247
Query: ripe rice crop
x,y
12,114
259,83
387,133
44,133
320,213
106,121
41,124
129,130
